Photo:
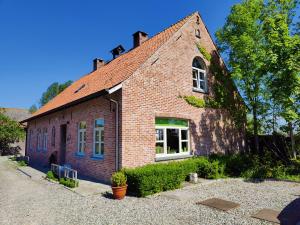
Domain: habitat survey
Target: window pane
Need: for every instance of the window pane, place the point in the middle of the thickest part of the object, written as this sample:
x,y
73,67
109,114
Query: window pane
x,y
80,147
159,134
202,85
84,135
172,141
80,136
99,123
184,146
97,136
102,135
197,63
102,148
97,148
195,85
195,72
159,148
183,134
201,76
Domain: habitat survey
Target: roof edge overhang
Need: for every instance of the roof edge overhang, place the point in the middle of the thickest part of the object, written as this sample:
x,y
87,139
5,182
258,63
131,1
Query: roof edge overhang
x,y
78,101
68,105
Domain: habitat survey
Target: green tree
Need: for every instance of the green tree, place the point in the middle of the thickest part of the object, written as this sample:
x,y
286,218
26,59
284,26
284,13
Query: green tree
x,y
52,91
241,38
10,132
33,109
282,61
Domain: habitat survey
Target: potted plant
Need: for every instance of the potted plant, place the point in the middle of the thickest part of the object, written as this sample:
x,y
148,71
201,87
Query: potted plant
x,y
119,185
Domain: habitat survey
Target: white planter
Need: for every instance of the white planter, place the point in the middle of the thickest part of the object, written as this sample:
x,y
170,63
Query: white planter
x,y
193,178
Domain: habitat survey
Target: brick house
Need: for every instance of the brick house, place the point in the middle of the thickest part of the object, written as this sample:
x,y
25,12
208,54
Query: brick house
x,y
127,112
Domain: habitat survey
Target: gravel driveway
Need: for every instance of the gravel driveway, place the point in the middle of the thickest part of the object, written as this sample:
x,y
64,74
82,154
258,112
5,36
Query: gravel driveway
x,y
37,201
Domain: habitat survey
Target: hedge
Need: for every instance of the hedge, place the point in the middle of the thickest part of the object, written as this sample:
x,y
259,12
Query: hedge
x,y
154,178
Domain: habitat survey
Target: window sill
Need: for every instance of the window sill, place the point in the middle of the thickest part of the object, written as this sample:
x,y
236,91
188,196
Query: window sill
x,y
97,158
79,155
200,91
172,157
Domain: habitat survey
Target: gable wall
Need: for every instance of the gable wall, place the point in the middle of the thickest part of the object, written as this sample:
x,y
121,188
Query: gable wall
x,y
153,91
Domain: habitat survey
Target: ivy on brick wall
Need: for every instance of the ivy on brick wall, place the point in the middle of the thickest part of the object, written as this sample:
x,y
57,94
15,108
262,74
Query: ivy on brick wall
x,y
201,103
225,94
203,51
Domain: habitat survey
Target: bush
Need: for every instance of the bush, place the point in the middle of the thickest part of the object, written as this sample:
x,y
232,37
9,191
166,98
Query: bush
x,y
22,163
69,182
52,176
118,179
154,178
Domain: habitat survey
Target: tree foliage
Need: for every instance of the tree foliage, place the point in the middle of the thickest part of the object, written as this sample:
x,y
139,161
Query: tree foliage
x,y
242,39
33,109
52,91
10,132
262,41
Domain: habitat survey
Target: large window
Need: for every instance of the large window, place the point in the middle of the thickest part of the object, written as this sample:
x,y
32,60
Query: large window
x,y
199,75
39,139
45,139
98,149
81,137
172,136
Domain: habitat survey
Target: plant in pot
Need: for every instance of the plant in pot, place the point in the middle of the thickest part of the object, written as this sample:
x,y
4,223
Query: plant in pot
x,y
119,185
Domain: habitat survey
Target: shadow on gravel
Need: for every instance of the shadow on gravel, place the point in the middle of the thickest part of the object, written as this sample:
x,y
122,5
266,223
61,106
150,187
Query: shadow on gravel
x,y
256,180
290,214
107,195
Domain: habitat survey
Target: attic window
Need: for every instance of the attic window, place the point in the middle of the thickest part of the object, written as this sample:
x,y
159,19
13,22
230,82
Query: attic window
x,y
197,33
82,86
198,20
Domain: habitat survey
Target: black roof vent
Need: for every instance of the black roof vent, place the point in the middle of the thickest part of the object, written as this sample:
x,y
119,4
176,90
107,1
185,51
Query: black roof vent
x,y
117,51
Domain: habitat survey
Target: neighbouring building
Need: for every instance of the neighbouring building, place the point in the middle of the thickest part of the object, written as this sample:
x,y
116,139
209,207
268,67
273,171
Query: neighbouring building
x,y
128,112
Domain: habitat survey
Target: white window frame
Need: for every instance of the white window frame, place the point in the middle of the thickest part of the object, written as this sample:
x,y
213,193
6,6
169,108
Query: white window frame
x,y
100,142
45,139
165,154
83,141
198,79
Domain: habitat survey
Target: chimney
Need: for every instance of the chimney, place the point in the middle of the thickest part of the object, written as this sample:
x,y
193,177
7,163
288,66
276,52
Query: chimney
x,y
138,38
97,63
117,51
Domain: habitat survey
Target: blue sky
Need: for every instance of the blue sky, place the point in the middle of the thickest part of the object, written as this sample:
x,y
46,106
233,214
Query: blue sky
x,y
56,40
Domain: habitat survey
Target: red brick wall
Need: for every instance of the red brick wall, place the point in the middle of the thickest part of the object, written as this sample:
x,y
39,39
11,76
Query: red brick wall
x,y
87,111
153,90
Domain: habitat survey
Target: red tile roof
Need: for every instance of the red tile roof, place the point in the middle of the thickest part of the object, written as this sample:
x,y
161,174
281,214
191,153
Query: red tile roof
x,y
112,73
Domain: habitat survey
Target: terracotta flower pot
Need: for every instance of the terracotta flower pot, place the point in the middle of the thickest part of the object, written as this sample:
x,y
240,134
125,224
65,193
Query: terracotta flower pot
x,y
119,192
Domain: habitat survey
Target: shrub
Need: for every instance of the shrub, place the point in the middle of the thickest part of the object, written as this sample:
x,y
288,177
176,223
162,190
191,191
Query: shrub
x,y
118,179
154,178
22,163
69,182
52,176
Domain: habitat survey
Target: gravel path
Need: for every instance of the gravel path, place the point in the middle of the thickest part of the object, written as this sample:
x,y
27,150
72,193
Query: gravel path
x,y
28,201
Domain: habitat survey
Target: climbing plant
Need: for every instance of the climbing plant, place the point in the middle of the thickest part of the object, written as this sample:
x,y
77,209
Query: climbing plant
x,y
203,51
225,95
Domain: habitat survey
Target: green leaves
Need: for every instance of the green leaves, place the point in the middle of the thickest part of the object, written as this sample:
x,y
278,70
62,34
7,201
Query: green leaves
x,y
10,132
52,91
263,56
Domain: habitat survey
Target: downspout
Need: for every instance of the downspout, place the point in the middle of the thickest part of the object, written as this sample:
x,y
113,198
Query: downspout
x,y
117,133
